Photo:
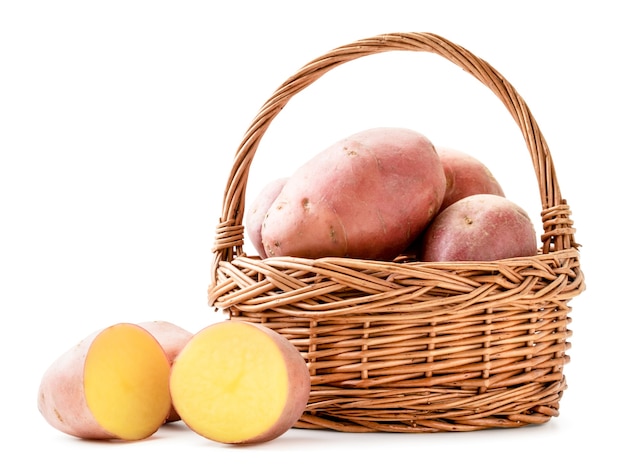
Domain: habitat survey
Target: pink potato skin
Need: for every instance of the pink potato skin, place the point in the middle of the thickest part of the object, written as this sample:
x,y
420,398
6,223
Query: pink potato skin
x,y
62,390
480,227
172,339
367,196
258,209
465,176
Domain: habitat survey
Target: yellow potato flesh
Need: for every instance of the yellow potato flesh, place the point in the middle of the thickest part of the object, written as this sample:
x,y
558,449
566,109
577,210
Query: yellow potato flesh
x,y
230,384
127,382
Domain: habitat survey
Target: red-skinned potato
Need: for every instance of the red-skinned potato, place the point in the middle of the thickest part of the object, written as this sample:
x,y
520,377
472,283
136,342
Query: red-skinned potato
x,y
114,384
257,210
480,227
367,196
465,176
238,382
172,339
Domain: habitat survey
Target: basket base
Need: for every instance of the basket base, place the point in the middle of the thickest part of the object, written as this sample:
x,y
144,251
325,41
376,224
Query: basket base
x,y
316,422
515,407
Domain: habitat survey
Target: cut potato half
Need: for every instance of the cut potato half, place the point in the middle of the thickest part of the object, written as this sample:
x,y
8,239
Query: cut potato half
x,y
238,382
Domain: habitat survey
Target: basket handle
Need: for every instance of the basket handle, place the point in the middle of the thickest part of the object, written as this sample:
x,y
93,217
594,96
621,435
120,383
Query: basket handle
x,y
558,231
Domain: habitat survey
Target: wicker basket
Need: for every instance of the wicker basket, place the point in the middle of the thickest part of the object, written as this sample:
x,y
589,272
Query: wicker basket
x,y
408,346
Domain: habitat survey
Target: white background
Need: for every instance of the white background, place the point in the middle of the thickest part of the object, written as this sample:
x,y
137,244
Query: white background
x,y
118,124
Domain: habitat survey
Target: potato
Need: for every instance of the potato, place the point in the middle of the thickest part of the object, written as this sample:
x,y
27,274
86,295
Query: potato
x,y
465,175
367,196
483,227
258,208
172,339
238,382
111,385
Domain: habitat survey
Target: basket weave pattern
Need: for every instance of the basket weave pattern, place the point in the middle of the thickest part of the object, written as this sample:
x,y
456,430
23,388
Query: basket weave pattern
x,y
409,346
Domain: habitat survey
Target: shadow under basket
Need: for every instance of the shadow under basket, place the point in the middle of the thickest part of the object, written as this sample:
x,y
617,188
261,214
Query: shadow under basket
x,y
408,346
